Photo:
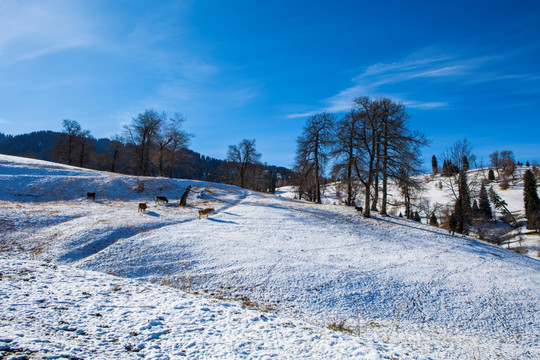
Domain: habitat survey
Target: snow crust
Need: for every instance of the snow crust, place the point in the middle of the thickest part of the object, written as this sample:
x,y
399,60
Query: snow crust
x,y
263,276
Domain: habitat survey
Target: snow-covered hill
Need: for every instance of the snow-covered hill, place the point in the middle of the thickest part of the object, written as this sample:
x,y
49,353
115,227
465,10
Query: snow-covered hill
x,y
439,193
267,276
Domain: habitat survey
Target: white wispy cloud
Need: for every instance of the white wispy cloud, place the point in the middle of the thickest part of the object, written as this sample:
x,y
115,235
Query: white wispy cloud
x,y
382,79
30,29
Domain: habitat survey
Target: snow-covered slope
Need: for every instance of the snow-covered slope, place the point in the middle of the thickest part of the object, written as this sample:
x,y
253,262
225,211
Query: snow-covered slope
x,y
421,292
439,193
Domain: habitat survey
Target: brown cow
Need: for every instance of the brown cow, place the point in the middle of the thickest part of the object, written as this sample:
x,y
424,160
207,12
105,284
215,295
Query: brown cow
x,y
160,198
205,212
142,207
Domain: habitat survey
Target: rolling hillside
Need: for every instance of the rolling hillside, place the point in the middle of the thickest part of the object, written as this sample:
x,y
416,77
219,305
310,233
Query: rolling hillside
x,y
263,276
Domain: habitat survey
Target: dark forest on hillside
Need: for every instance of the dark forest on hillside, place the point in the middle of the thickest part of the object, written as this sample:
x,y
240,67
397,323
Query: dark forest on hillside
x,y
43,144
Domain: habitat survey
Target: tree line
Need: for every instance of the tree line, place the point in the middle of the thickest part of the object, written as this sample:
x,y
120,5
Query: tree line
x,y
152,144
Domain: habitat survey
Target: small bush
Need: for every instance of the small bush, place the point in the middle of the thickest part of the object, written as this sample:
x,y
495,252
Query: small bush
x,y
504,184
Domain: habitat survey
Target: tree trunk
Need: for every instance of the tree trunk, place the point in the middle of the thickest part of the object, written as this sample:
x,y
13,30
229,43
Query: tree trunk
x,y
81,157
349,184
375,190
317,184
115,156
160,161
385,170
184,196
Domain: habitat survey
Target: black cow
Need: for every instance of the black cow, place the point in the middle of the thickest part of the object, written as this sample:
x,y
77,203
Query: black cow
x,y
142,207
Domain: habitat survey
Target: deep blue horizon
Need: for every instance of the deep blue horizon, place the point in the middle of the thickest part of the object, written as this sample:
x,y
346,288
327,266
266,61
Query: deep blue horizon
x,y
241,69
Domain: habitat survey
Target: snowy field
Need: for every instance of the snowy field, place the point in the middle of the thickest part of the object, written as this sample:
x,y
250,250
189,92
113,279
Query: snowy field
x,y
262,277
440,193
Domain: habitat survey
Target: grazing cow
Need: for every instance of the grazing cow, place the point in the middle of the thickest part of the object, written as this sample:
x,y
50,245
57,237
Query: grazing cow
x,y
142,207
359,209
160,198
205,212
91,195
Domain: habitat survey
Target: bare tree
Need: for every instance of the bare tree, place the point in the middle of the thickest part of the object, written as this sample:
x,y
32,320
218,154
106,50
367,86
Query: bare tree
x,y
400,151
64,150
84,147
369,121
170,140
116,147
409,187
313,147
495,160
429,209
345,151
507,163
460,150
141,134
241,157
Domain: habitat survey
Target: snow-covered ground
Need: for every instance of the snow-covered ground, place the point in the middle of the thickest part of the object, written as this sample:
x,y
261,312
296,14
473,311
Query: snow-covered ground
x,y
263,276
439,193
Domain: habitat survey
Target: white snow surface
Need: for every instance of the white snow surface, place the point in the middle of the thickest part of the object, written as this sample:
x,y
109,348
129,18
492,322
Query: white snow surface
x,y
263,276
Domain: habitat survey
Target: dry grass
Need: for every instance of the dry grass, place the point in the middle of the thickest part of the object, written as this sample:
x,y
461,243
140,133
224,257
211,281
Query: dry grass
x,y
339,326
183,282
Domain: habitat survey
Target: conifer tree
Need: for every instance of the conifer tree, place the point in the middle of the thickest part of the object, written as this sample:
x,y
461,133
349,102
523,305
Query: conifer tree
x,y
491,175
527,164
433,220
416,217
501,205
434,164
453,223
474,208
484,205
462,209
532,202
465,164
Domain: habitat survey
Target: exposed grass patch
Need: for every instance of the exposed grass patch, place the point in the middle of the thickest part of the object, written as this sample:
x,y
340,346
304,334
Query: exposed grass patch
x,y
339,326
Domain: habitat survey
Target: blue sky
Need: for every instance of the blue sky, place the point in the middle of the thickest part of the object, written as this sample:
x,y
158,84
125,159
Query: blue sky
x,y
250,69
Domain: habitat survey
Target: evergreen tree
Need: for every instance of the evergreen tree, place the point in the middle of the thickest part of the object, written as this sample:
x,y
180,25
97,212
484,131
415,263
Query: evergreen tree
x,y
491,175
527,164
416,217
474,208
501,205
434,164
532,202
449,168
453,223
465,164
459,218
462,208
433,220
484,205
